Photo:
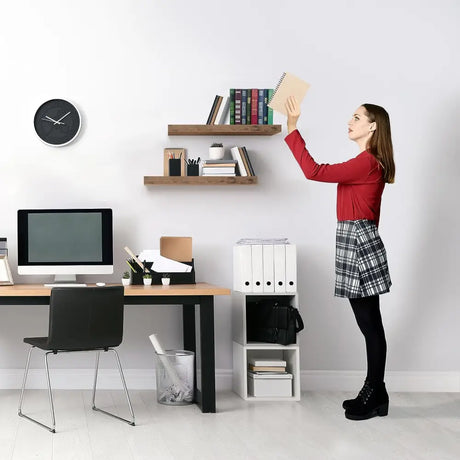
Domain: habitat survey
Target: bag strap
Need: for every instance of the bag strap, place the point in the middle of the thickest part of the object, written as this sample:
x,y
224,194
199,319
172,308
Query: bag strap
x,y
298,320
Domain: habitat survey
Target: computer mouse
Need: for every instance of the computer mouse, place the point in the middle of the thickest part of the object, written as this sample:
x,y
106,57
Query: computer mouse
x,y
100,284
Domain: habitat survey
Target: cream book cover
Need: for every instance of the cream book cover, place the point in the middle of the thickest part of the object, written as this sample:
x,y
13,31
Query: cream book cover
x,y
289,85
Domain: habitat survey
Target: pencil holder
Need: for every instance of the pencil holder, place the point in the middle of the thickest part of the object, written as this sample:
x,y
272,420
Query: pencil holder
x,y
193,170
174,167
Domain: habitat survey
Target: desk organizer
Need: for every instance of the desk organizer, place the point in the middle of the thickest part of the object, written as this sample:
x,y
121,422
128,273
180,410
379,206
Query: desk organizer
x,y
176,278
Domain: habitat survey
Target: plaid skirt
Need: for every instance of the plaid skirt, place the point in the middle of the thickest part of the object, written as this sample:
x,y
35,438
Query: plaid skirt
x,y
361,266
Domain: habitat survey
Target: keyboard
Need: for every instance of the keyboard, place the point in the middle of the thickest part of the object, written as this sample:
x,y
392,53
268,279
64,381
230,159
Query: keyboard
x,y
65,285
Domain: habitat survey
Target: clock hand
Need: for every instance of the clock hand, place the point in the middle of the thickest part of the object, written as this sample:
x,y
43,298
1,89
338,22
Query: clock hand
x,y
62,117
51,120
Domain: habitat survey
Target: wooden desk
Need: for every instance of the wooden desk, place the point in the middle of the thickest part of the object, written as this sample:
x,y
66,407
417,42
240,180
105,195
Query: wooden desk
x,y
187,295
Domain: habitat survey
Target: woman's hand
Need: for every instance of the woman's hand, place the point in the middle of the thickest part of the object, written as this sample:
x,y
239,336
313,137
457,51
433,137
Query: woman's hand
x,y
293,113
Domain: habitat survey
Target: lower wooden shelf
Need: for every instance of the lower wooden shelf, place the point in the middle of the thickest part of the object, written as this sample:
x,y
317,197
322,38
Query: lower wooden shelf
x,y
200,180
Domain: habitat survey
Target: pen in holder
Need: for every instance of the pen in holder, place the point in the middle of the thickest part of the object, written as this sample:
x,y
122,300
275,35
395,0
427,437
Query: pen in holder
x,y
174,166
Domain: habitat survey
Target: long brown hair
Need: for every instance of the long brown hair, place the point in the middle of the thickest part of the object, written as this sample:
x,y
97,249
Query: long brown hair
x,y
380,144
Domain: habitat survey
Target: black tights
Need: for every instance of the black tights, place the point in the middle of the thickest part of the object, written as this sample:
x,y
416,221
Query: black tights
x,y
367,313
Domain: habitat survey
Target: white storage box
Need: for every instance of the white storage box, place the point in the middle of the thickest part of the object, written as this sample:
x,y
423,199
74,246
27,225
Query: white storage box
x,y
270,385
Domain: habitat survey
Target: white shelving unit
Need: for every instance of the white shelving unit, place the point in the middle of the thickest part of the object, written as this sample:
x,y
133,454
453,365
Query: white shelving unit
x,y
243,350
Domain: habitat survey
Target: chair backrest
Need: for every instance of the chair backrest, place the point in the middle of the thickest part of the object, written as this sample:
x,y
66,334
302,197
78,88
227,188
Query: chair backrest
x,y
83,318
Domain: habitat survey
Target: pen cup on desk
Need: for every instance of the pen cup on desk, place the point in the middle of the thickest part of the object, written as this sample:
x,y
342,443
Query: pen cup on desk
x,y
193,170
174,166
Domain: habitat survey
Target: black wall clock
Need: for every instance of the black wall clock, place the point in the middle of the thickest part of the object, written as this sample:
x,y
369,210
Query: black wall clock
x,y
57,122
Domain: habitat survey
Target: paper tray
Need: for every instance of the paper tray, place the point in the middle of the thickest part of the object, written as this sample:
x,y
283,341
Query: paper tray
x,y
176,278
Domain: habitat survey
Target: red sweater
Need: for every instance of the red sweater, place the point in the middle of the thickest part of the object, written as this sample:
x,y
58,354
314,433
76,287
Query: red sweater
x,y
360,180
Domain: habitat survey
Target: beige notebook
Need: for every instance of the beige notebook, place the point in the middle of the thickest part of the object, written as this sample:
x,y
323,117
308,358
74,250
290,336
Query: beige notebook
x,y
289,85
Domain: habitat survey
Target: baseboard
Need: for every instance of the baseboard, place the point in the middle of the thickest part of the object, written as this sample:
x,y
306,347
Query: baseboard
x,y
395,381
144,379
82,379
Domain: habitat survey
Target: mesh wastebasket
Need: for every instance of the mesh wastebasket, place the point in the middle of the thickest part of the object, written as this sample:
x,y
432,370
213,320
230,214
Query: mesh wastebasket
x,y
175,375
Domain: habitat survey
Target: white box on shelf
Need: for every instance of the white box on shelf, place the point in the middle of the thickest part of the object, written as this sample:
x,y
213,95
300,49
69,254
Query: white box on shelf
x,y
271,385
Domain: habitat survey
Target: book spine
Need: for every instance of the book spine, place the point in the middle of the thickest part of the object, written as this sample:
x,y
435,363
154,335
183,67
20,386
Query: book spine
x,y
237,156
245,162
224,114
248,107
216,110
260,107
232,106
237,106
246,155
244,105
265,107
270,110
211,170
254,99
213,109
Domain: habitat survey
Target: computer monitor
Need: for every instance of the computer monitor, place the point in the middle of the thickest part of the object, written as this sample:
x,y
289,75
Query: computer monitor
x,y
65,242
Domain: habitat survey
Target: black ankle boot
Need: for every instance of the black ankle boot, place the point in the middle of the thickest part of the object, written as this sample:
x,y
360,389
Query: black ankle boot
x,y
350,403
372,401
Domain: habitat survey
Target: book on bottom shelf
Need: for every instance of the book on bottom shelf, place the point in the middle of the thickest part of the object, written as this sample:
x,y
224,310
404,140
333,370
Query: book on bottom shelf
x,y
267,368
267,362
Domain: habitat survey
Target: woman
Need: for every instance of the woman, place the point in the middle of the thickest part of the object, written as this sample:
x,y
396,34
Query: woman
x,y
361,265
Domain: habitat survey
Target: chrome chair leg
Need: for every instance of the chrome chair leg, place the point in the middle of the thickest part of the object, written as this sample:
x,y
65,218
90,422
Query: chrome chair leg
x,y
50,394
130,422
24,380
96,369
20,413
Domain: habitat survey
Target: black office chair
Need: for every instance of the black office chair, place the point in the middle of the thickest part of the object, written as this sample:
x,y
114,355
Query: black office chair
x,y
81,319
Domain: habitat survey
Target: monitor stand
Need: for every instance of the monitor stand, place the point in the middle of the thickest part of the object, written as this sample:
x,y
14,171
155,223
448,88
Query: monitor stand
x,y
65,281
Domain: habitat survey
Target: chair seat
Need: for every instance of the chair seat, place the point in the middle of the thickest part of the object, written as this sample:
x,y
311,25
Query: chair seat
x,y
39,342
42,343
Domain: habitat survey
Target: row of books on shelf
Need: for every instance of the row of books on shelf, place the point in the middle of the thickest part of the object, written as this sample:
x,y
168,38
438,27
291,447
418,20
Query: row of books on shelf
x,y
242,107
240,165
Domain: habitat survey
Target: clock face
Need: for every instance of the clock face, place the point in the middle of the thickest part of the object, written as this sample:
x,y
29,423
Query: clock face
x,y
57,122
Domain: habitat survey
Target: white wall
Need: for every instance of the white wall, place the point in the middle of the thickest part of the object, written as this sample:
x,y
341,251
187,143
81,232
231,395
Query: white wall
x,y
134,66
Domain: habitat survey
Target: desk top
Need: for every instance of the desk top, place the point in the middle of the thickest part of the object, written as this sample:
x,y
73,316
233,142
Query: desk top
x,y
23,290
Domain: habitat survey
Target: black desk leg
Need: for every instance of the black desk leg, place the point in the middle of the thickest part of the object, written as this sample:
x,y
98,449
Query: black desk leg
x,y
208,366
188,320
189,335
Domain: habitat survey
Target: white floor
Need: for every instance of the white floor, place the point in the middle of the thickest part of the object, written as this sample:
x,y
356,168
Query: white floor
x,y
419,426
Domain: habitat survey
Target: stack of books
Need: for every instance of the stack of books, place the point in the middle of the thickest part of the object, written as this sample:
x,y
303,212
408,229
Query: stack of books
x,y
249,106
245,168
219,168
268,378
219,111
266,366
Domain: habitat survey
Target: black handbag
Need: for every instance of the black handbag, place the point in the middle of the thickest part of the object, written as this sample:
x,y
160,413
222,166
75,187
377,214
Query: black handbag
x,y
272,321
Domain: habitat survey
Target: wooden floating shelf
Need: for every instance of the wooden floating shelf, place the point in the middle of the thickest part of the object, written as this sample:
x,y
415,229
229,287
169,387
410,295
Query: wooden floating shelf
x,y
199,180
223,130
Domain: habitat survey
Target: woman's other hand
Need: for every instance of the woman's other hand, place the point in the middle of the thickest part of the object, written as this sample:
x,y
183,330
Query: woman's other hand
x,y
293,113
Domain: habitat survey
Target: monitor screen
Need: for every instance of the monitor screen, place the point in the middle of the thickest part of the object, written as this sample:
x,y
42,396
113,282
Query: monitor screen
x,y
65,241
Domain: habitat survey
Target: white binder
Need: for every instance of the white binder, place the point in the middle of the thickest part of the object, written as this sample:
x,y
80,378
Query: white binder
x,y
269,268
257,268
291,268
279,257
242,268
